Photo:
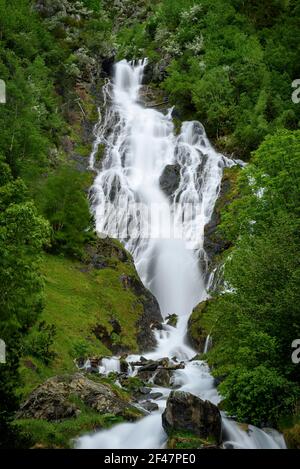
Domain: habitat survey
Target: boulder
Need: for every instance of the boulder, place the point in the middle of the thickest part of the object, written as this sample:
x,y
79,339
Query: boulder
x,y
155,395
170,179
188,413
149,406
197,333
144,390
52,399
162,378
172,320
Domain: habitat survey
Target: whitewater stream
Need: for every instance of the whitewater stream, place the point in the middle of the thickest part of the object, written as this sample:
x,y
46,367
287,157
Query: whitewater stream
x,y
165,235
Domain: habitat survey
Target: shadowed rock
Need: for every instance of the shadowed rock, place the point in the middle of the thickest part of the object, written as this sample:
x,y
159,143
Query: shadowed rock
x,y
186,412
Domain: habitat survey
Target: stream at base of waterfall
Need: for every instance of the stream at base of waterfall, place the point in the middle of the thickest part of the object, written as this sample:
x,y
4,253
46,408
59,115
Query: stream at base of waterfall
x,y
165,235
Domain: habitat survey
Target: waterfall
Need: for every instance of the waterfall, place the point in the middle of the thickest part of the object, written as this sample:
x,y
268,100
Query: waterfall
x,y
164,233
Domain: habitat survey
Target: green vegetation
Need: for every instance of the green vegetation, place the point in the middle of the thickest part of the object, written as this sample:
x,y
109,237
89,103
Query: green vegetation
x,y
22,235
228,64
188,440
255,321
40,434
75,303
63,202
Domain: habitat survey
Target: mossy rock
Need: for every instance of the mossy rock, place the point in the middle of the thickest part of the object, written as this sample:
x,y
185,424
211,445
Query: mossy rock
x,y
214,242
197,331
100,153
172,320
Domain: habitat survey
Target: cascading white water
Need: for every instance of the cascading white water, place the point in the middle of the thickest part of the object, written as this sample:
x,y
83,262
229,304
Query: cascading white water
x,y
165,235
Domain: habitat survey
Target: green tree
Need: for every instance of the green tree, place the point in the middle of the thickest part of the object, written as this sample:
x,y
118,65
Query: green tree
x,y
22,235
64,203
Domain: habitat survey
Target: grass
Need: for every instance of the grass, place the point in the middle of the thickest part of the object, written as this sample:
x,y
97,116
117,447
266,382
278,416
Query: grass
x,y
75,302
44,434
188,440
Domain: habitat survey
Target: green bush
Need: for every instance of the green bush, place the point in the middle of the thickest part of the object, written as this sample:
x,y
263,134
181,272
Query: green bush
x,y
259,396
64,203
40,341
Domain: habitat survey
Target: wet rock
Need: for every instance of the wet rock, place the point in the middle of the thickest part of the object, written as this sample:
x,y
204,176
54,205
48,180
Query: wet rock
x,y
187,412
157,325
145,375
196,331
155,395
152,365
214,242
51,400
151,313
172,320
144,390
94,365
124,366
162,378
149,367
170,179
149,406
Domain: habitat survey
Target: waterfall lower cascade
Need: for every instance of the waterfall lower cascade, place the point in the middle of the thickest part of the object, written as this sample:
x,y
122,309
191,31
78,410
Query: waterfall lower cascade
x,y
165,234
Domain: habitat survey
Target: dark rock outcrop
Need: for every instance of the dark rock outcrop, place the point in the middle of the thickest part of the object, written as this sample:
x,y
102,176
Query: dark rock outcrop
x,y
189,413
214,242
162,377
151,314
196,331
149,406
170,179
52,399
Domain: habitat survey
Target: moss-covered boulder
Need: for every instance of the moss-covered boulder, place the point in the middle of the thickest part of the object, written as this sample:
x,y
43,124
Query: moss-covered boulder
x,y
188,413
197,332
54,399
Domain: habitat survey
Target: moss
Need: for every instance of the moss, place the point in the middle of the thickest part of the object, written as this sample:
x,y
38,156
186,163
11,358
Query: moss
x,y
76,301
188,440
83,150
100,152
172,320
198,330
132,383
230,184
292,437
290,427
44,434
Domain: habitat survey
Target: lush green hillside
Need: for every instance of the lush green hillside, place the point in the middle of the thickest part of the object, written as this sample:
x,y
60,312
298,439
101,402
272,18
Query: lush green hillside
x,y
77,300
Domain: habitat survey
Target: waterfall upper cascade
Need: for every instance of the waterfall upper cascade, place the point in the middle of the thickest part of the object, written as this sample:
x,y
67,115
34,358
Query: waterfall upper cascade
x,y
165,235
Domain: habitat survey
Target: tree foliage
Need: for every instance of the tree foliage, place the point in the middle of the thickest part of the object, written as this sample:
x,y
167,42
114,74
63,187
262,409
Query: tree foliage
x,y
258,317
22,235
